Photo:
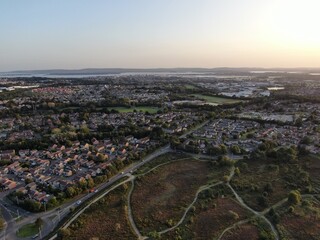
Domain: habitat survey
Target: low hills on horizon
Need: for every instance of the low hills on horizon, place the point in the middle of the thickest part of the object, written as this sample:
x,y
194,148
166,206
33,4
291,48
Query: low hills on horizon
x,y
98,71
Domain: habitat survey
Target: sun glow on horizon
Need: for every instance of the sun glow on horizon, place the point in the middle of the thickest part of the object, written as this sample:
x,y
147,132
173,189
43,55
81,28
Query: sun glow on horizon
x,y
295,23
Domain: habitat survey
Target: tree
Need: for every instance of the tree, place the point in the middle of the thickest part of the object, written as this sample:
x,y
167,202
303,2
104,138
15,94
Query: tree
x,y
1,224
258,155
287,154
225,161
85,130
53,202
56,131
39,222
90,183
237,171
306,140
223,148
32,205
64,233
235,149
174,142
294,197
263,201
83,183
101,157
157,132
154,235
71,192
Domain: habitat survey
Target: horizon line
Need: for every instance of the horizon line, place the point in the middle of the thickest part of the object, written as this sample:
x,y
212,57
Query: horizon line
x,y
157,68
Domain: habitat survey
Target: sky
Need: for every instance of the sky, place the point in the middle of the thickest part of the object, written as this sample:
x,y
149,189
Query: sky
x,y
74,34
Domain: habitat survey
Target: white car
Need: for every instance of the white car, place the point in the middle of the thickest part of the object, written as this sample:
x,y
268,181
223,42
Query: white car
x,y
79,202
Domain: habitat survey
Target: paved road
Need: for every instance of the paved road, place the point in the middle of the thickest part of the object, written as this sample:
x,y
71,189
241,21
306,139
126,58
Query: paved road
x,y
8,220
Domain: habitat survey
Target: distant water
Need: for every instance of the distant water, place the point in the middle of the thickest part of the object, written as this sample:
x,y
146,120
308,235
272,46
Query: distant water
x,y
190,74
275,88
53,76
267,71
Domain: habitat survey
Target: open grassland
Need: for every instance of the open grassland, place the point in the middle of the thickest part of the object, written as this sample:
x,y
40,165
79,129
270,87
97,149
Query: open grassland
x,y
162,159
105,219
211,219
190,86
214,211
161,196
217,100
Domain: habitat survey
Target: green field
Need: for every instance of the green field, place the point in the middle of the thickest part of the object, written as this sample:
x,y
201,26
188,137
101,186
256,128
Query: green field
x,y
189,86
28,230
138,109
217,100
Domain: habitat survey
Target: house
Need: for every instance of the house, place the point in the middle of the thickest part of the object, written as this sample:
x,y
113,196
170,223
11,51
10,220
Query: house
x,y
24,153
108,143
31,186
7,155
39,196
68,173
100,147
23,190
9,184
144,140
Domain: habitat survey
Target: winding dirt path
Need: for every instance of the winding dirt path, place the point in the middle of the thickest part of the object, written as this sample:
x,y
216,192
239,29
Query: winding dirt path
x,y
202,188
278,204
257,214
130,216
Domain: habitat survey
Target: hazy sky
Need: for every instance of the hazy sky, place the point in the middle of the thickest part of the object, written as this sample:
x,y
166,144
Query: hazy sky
x,y
47,34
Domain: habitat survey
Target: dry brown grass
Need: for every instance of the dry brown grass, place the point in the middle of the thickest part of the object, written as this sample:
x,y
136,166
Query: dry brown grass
x,y
163,195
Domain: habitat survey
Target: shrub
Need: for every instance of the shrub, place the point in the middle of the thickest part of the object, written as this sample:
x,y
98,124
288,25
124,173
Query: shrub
x,y
294,197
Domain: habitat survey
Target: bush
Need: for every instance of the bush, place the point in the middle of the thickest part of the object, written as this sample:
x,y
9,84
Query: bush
x,y
294,197
64,233
263,201
1,224
291,209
